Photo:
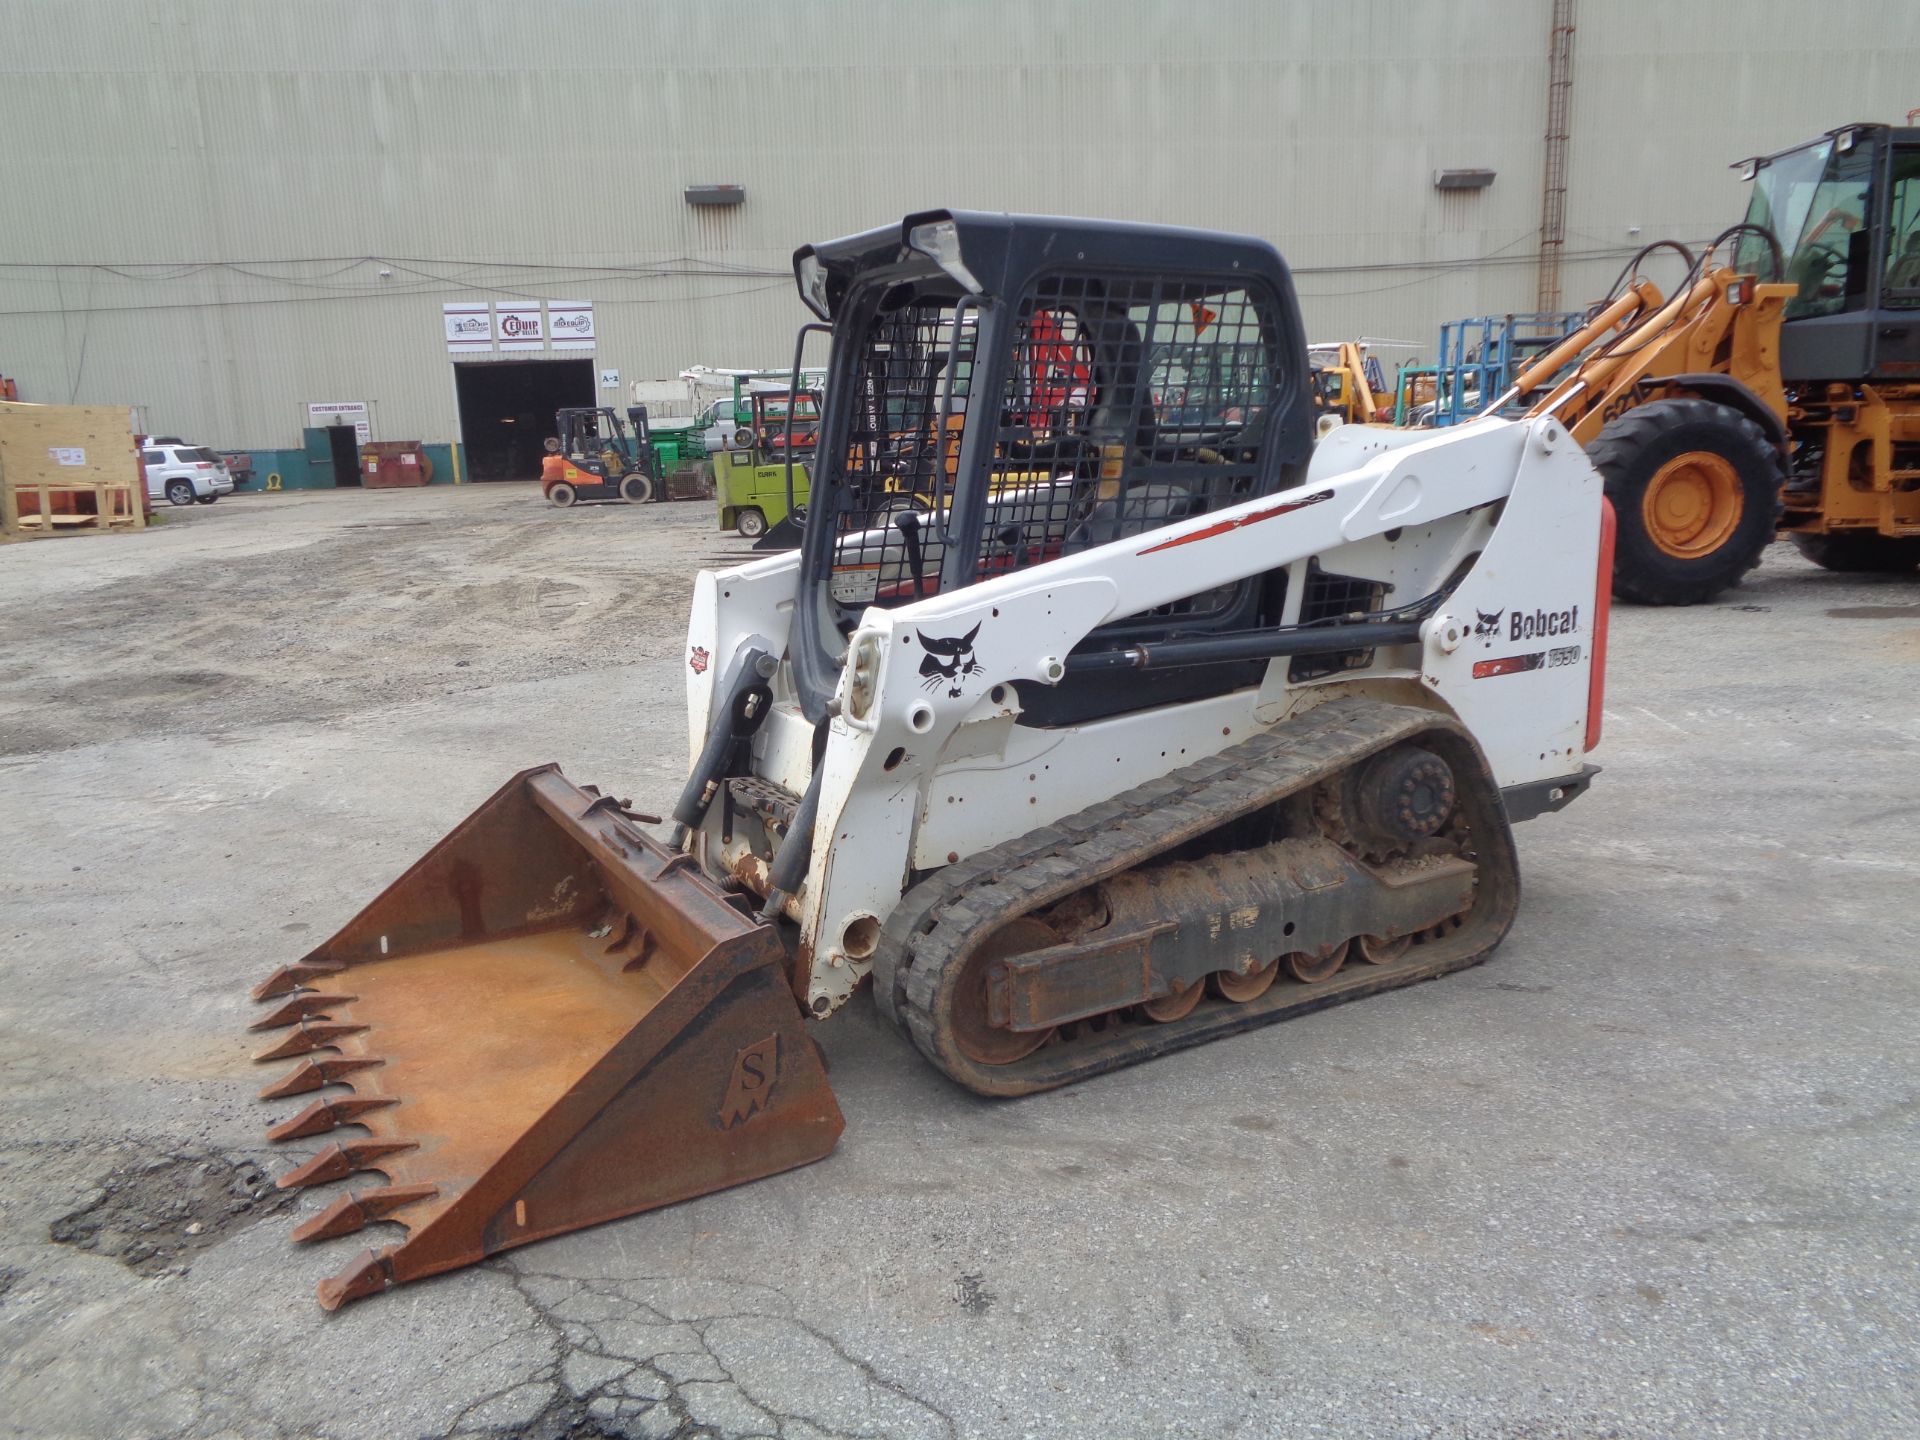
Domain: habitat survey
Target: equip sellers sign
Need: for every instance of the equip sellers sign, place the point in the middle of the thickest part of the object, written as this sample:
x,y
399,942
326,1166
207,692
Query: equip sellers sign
x,y
570,323
469,331
519,327
343,412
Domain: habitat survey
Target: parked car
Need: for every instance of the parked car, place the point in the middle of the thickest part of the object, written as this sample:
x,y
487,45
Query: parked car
x,y
185,473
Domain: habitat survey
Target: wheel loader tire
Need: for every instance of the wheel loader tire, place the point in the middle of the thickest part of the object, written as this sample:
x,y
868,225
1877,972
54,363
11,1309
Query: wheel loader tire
x,y
1696,490
1859,552
751,524
561,495
636,489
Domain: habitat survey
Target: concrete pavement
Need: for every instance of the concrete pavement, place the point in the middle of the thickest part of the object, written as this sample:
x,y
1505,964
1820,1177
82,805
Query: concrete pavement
x,y
1650,1172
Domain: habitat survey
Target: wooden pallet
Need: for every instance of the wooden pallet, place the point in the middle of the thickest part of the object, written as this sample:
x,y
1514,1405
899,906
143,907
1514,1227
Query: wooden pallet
x,y
69,469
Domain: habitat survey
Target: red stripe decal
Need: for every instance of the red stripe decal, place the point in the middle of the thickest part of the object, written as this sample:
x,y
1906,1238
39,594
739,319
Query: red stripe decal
x,y
1509,665
1221,527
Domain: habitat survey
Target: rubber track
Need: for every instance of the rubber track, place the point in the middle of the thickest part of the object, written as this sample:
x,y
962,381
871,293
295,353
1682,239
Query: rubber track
x,y
941,918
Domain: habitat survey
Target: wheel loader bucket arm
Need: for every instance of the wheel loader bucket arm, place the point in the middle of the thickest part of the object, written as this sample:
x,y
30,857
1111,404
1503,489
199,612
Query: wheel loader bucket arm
x,y
549,1021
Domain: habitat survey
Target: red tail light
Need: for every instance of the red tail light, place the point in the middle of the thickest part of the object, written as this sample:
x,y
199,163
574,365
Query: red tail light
x,y
1602,613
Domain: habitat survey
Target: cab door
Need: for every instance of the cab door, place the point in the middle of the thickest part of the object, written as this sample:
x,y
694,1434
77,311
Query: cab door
x,y
1829,325
1896,336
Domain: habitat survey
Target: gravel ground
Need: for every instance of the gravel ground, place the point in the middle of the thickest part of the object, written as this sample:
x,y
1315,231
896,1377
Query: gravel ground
x,y
1652,1172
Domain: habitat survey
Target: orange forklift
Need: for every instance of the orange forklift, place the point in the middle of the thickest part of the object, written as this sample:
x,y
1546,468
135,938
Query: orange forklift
x,y
600,458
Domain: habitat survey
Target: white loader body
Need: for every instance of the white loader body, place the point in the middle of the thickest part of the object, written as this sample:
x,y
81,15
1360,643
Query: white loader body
x,y
926,763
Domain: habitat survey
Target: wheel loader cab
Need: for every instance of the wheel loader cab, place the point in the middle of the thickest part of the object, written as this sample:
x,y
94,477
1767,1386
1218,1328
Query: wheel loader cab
x,y
1045,344
1846,210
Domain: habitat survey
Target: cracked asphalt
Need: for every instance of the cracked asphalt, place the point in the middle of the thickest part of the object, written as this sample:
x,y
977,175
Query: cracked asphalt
x,y
1650,1172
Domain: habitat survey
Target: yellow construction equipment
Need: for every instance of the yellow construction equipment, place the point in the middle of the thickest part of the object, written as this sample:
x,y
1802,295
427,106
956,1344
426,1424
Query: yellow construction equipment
x,y
1777,389
1349,384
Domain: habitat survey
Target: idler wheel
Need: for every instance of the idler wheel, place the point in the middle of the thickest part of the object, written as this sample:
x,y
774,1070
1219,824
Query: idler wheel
x,y
979,1039
1378,950
1239,988
1175,1004
1311,969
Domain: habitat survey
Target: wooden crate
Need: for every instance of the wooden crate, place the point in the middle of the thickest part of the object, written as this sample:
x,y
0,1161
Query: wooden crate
x,y
69,469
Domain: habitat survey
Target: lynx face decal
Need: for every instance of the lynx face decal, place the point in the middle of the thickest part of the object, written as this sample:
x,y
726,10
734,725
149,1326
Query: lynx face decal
x,y
948,659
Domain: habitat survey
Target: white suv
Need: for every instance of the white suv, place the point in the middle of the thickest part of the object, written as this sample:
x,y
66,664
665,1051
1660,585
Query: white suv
x,y
185,473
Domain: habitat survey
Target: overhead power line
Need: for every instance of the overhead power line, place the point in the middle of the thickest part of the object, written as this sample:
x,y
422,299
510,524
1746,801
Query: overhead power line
x,y
326,286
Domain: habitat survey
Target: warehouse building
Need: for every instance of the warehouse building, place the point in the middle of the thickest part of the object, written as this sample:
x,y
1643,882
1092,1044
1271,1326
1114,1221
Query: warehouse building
x,y
287,228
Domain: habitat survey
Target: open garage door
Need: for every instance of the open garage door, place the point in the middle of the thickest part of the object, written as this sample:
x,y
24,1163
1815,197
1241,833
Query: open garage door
x,y
506,411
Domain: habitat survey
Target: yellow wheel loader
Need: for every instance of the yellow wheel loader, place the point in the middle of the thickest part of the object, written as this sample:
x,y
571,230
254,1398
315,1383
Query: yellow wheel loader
x,y
1777,390
1156,723
1348,384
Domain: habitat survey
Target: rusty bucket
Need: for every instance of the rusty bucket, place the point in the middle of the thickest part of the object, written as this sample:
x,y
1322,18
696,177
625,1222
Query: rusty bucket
x,y
549,1021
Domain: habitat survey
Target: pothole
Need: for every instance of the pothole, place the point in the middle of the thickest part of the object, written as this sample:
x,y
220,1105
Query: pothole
x,y
150,1214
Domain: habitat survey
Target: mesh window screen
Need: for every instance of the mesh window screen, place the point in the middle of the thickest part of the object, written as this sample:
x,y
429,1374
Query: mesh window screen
x,y
1330,596
1128,403
897,464
1132,402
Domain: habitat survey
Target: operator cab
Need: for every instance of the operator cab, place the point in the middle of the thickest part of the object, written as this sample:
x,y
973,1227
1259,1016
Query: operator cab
x,y
1846,210
1010,389
777,414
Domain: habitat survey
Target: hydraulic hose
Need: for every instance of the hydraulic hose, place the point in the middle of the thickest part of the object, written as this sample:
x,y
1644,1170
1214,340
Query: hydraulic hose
x,y
739,716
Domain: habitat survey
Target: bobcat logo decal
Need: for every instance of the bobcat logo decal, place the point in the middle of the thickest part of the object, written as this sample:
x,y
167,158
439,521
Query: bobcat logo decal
x,y
1489,624
947,660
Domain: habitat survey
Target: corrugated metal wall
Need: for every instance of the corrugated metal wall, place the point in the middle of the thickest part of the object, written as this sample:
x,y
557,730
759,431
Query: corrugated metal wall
x,y
201,193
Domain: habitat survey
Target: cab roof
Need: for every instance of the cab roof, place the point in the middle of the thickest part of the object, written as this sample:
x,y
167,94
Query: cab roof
x,y
998,251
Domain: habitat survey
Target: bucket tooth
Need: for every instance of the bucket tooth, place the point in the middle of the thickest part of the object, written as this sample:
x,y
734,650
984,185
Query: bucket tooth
x,y
312,1074
366,1274
289,978
353,1212
324,1115
338,1161
309,1035
299,1008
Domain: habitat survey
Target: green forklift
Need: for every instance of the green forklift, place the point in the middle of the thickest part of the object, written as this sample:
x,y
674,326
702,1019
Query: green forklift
x,y
761,476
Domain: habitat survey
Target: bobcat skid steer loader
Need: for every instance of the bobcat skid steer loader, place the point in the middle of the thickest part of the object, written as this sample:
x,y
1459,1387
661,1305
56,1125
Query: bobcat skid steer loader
x,y
1156,723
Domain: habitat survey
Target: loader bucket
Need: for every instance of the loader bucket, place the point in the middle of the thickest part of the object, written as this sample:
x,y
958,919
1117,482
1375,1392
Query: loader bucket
x,y
551,1020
